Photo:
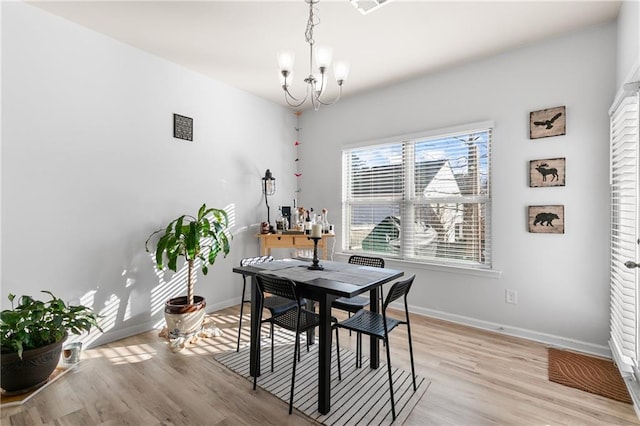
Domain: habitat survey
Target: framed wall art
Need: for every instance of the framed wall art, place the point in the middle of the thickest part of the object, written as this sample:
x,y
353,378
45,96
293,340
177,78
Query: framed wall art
x,y
182,127
546,219
547,122
549,172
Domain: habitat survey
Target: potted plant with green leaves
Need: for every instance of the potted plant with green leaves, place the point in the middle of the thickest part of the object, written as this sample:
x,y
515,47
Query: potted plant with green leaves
x,y
32,335
198,240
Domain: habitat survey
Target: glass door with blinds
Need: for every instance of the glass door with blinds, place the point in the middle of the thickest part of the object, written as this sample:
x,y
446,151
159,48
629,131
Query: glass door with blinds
x,y
625,234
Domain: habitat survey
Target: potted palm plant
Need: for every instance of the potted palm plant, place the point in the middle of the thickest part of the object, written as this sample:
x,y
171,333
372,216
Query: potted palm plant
x,y
198,240
32,335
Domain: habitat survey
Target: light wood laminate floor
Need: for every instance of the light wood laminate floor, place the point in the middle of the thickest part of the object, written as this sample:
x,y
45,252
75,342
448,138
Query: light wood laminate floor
x,y
478,378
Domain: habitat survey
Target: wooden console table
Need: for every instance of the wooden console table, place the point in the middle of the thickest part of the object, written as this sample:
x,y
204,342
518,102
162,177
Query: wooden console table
x,y
295,241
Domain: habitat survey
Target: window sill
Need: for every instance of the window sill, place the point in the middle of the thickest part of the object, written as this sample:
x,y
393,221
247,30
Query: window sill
x,y
452,269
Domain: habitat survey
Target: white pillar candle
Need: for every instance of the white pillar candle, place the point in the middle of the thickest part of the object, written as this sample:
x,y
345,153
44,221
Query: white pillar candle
x,y
316,230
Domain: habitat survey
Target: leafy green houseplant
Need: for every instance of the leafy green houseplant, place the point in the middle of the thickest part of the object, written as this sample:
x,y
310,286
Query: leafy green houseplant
x,y
32,325
192,238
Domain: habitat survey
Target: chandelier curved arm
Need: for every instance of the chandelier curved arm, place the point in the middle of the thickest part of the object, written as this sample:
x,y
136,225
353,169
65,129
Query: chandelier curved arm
x,y
291,100
316,99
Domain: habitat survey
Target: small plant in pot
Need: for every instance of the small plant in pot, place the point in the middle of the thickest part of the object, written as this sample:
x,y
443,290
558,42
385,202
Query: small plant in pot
x,y
195,239
32,336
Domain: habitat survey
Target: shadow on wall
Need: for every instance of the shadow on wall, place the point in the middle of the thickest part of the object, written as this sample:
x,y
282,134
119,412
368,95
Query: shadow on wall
x,y
121,310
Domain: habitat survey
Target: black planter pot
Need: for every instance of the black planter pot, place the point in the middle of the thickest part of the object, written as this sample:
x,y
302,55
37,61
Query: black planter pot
x,y
32,371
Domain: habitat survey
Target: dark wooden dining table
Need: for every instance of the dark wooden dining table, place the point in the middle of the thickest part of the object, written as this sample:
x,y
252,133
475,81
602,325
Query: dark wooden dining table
x,y
338,279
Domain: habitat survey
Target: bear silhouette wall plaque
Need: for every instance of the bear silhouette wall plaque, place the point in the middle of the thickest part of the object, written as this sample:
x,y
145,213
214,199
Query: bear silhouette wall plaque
x,y
546,219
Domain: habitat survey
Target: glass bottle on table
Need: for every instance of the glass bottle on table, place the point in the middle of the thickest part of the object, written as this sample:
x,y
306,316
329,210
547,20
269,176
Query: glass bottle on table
x,y
325,221
295,218
307,224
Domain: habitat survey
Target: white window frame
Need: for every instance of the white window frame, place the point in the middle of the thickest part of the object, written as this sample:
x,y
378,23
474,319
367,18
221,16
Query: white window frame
x,y
407,203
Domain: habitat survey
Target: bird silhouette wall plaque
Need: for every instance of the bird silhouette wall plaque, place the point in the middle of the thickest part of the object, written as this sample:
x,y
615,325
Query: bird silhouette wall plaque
x,y
547,122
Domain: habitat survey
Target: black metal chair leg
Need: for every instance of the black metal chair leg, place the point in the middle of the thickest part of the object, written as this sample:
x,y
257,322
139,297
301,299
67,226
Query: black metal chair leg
x,y
293,373
393,405
413,371
380,299
272,346
338,353
359,350
244,287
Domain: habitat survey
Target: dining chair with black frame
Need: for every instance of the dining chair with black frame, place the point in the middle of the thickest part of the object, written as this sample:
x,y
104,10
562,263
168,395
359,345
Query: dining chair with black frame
x,y
275,305
353,304
379,326
297,319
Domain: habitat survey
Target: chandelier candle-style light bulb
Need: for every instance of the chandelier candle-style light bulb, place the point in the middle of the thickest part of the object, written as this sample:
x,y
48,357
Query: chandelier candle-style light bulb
x,y
285,60
323,57
317,77
341,72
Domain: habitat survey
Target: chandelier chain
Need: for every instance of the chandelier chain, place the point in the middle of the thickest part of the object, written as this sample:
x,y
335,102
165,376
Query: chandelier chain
x,y
312,22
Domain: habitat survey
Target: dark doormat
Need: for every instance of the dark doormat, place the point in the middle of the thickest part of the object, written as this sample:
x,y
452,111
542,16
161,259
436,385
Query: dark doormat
x,y
591,374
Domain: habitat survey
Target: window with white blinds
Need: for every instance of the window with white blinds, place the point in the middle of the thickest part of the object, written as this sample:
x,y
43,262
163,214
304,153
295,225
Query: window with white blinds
x,y
624,232
424,199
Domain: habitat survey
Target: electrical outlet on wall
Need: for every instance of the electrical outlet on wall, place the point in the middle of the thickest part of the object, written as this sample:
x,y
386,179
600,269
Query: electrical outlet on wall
x,y
511,296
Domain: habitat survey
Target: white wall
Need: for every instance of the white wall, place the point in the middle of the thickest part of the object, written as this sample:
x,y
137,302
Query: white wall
x,y
628,45
90,167
561,280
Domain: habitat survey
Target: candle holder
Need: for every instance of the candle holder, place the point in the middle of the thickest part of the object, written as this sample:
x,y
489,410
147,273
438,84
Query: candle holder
x,y
316,262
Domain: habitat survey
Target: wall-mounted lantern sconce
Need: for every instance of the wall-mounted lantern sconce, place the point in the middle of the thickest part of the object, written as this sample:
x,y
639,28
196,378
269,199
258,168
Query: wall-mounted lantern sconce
x,y
268,188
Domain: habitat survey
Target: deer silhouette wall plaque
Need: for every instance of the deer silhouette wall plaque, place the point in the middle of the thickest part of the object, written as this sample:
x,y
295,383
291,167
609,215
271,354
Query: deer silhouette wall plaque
x,y
548,172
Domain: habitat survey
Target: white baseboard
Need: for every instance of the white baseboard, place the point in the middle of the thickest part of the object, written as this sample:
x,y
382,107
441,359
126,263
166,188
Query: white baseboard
x,y
155,324
121,333
549,339
223,304
557,341
634,391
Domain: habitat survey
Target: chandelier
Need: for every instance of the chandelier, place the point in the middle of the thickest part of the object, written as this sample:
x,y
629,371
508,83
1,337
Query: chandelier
x,y
316,82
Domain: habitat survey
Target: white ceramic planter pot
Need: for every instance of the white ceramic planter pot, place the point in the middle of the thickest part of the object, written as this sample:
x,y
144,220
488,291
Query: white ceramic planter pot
x,y
182,319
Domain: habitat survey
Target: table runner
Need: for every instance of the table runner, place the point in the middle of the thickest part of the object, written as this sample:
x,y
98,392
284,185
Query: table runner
x,y
343,272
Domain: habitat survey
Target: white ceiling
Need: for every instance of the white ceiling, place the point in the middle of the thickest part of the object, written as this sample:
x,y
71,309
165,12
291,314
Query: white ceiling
x,y
236,41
